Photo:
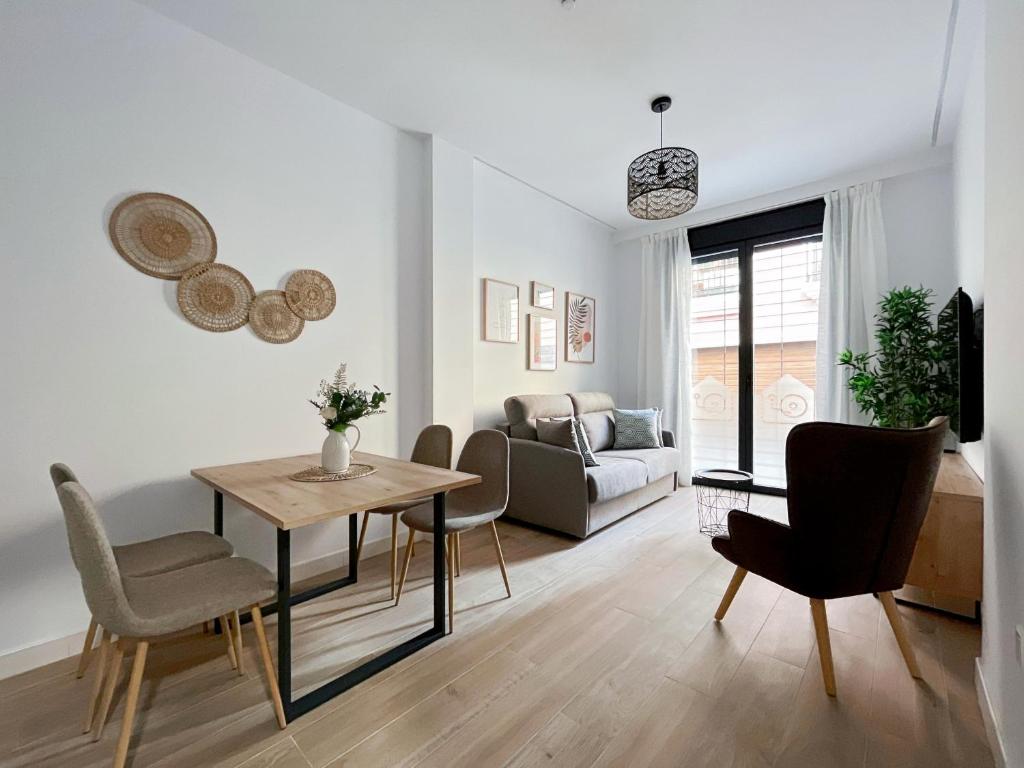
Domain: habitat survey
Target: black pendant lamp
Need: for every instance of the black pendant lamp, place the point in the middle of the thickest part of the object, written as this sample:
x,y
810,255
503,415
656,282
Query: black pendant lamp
x,y
662,183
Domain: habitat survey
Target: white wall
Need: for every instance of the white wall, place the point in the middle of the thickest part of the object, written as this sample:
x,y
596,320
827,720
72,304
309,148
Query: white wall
x,y
103,99
520,235
1004,370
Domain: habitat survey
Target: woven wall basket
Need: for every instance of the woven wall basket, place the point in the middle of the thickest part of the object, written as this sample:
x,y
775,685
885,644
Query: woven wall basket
x,y
161,235
272,319
310,294
215,297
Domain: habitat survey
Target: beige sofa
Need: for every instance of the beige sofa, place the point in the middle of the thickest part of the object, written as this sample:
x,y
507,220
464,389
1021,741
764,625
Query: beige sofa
x,y
550,486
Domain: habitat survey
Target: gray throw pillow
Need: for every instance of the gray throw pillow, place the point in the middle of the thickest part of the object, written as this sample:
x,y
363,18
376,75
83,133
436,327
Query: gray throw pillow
x,y
636,429
581,438
560,432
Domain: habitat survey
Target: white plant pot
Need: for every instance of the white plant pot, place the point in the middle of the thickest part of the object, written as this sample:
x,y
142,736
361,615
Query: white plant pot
x,y
336,454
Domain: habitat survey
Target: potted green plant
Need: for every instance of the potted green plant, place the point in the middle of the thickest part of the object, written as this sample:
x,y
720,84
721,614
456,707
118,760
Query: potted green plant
x,y
909,380
340,405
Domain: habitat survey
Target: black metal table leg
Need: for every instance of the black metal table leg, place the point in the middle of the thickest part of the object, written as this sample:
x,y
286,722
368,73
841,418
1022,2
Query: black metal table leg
x,y
284,618
353,543
439,564
218,513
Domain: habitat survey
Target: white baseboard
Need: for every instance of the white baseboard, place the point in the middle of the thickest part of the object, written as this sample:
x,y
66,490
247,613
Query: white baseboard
x,y
49,651
995,738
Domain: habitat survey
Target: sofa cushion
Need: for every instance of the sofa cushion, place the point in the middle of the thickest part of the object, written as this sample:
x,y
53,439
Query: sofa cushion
x,y
523,411
589,402
615,477
560,432
636,429
600,429
657,461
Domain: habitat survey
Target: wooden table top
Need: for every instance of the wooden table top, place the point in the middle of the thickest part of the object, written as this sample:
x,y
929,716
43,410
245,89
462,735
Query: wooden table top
x,y
266,487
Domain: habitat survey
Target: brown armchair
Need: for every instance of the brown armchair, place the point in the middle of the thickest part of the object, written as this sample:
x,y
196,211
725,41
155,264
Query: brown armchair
x,y
857,498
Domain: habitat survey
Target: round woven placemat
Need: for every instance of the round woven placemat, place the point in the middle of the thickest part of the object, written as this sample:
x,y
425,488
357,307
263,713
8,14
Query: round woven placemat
x,y
215,297
317,474
161,235
272,319
310,294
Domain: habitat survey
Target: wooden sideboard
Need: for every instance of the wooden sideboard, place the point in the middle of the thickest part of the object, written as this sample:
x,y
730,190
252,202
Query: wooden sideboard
x,y
946,570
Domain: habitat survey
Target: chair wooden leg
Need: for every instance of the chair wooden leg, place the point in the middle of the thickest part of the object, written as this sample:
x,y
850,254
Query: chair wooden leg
x,y
824,645
451,582
737,578
501,558
131,701
97,683
414,549
362,536
458,554
405,564
896,622
394,554
237,625
225,629
90,638
113,675
268,666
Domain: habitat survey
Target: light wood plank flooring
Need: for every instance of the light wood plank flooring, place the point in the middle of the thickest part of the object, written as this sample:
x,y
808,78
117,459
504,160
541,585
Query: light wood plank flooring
x,y
606,655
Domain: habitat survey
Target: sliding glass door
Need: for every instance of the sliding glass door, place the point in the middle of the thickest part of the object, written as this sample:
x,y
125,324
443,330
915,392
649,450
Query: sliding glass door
x,y
753,331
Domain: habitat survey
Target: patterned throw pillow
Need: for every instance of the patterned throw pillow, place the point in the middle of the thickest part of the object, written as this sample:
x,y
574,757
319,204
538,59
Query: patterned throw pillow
x,y
636,429
581,437
560,432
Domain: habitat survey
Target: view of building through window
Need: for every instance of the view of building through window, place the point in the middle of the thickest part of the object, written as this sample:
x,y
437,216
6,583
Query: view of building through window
x,y
785,280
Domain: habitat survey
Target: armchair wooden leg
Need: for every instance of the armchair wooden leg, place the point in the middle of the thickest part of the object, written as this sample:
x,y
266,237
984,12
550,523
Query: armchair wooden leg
x,y
113,675
896,622
131,701
824,645
268,666
405,564
90,638
97,683
225,627
394,553
362,536
501,558
451,582
730,592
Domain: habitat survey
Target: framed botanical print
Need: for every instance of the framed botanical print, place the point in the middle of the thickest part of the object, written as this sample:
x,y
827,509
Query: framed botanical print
x,y
543,343
500,311
542,296
580,325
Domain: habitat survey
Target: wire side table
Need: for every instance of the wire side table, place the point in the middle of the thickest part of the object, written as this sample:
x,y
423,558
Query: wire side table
x,y
718,492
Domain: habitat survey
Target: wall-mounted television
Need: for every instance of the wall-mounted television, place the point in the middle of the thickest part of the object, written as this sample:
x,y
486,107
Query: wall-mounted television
x,y
960,329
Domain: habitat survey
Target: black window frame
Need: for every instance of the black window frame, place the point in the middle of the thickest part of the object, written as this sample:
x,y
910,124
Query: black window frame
x,y
737,238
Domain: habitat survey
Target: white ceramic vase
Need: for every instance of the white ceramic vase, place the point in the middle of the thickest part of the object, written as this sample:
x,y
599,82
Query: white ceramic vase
x,y
336,454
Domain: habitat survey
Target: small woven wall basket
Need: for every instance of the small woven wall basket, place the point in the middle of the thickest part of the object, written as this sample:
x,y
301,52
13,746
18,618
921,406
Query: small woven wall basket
x,y
310,294
161,235
272,319
215,297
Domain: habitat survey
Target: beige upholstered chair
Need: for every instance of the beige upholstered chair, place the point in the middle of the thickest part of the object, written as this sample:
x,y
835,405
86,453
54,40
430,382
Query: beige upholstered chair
x,y
148,558
485,454
433,447
143,609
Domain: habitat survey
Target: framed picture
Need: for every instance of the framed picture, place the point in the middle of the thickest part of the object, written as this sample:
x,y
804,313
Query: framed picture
x,y
543,343
501,311
580,325
542,296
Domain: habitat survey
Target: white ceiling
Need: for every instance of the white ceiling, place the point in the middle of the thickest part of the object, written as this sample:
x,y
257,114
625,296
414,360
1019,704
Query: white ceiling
x,y
770,93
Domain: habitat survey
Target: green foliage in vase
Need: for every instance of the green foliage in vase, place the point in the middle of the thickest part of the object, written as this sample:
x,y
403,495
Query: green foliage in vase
x,y
340,404
909,380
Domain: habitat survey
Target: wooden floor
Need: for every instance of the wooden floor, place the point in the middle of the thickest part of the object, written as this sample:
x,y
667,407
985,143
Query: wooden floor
x,y
605,655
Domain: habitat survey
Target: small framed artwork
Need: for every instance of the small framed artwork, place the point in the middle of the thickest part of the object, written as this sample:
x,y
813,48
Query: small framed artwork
x,y
580,325
543,343
542,296
501,311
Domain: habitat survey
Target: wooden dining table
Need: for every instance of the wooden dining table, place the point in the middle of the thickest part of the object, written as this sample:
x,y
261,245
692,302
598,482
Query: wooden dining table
x,y
267,489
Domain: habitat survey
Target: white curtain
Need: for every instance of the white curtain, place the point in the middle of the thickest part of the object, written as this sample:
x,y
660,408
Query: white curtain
x,y
663,371
854,274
